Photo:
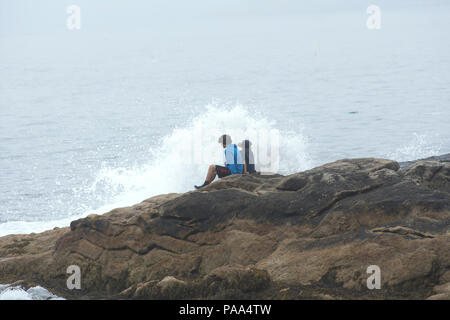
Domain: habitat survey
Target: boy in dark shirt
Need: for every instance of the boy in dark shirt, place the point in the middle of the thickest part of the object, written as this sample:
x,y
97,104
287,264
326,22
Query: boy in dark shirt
x,y
247,156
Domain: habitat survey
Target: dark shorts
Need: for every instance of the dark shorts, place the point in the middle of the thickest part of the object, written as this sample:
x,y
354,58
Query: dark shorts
x,y
222,171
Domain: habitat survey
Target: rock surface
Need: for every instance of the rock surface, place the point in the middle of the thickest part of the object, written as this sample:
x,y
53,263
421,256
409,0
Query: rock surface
x,y
441,158
309,235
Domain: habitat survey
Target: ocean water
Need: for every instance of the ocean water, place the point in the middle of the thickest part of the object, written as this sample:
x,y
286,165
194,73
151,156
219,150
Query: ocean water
x,y
8,292
104,117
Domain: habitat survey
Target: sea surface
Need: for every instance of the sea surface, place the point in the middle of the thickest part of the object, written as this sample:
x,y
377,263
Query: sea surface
x,y
104,116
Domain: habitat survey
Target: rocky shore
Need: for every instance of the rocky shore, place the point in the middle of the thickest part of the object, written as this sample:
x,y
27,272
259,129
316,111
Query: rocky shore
x,y
309,235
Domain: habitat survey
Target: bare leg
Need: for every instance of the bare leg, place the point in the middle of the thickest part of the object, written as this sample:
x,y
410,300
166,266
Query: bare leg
x,y
211,175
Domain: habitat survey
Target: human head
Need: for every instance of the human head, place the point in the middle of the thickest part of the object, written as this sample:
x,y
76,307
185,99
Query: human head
x,y
225,140
245,144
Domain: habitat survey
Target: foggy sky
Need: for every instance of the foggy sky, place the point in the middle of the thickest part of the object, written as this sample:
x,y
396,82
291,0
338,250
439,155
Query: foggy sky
x,y
49,16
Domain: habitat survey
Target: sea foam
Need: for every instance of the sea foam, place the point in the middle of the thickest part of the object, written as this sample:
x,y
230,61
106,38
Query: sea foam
x,y
8,292
180,161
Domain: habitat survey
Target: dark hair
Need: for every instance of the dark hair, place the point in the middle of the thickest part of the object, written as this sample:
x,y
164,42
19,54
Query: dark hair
x,y
225,140
245,144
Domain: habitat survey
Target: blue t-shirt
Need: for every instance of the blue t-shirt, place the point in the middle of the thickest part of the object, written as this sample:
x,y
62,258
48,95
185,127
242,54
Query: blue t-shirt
x,y
233,159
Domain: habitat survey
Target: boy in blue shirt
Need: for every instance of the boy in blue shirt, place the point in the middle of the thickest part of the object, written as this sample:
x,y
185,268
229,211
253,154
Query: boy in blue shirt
x,y
233,162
